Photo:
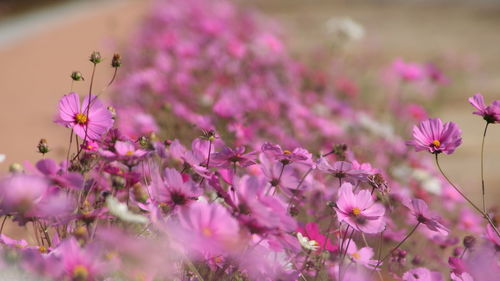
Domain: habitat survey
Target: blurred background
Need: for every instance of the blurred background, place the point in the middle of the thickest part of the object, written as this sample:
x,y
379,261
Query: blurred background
x,y
43,41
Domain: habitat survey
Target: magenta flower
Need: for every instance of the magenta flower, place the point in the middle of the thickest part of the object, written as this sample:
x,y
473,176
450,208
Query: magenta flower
x,y
72,115
436,137
422,274
490,113
229,157
173,191
359,210
315,239
423,215
21,194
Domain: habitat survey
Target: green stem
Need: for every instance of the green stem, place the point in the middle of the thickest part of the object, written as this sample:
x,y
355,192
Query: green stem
x,y
482,165
397,246
484,214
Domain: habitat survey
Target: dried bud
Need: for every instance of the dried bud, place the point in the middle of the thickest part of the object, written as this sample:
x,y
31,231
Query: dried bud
x,y
457,251
469,241
116,61
95,57
144,142
209,135
378,182
331,204
293,211
77,76
43,147
417,261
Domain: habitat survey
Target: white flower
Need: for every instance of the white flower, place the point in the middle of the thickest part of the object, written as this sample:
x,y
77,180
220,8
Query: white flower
x,y
345,28
121,211
2,158
306,243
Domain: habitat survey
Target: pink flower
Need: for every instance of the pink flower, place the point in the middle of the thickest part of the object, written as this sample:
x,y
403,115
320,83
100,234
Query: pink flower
x,y
124,150
173,191
359,210
361,256
422,274
21,193
408,71
458,272
344,170
76,263
492,236
208,228
490,113
421,212
299,155
229,157
312,233
435,137
72,115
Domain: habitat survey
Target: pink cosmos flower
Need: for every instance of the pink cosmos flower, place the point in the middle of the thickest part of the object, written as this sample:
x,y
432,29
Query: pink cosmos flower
x,y
124,150
492,236
359,210
435,137
229,157
314,236
299,155
490,113
21,194
458,271
408,71
76,263
422,274
343,170
208,228
72,115
174,190
423,215
361,256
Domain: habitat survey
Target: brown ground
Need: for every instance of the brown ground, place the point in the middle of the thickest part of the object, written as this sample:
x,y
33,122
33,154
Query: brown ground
x,y
34,72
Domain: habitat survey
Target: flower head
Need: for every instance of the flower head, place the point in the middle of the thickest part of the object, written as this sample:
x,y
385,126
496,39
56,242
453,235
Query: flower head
x,y
422,274
359,210
92,122
228,157
421,212
436,137
490,113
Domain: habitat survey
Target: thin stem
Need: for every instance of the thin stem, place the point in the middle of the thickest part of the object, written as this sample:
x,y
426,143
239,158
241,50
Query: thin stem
x,y
279,179
482,165
397,246
484,214
3,223
70,143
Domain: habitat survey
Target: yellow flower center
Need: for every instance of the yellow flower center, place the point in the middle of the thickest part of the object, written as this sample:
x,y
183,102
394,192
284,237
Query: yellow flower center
x,y
42,249
314,243
436,143
355,255
356,211
129,153
287,152
81,118
80,272
206,231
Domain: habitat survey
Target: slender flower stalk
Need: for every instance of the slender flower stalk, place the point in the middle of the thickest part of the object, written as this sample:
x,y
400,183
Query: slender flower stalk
x,y
482,166
484,214
397,246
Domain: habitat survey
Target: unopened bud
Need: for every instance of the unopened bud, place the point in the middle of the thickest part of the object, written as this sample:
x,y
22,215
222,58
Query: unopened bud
x,y
77,76
95,57
469,241
43,147
293,211
116,61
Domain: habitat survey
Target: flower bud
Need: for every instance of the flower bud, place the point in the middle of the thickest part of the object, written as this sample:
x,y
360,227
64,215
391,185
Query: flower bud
x,y
116,61
95,57
43,147
77,76
469,241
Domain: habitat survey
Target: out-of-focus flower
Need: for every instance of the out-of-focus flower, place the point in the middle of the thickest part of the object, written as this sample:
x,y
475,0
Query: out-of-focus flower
x,y
124,150
93,122
21,193
422,274
298,155
361,256
423,215
359,210
311,238
436,137
121,211
490,113
345,29
229,157
408,71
